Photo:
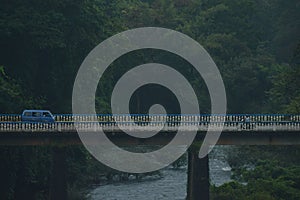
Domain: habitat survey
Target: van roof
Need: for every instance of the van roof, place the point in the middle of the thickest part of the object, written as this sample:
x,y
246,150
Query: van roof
x,y
36,111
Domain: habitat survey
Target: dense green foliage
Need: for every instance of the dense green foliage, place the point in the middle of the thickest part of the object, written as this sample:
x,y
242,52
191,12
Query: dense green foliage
x,y
254,43
267,181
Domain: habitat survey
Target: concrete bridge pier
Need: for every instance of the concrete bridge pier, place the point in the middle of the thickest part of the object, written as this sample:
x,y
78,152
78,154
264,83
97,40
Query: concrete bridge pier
x,y
58,182
198,176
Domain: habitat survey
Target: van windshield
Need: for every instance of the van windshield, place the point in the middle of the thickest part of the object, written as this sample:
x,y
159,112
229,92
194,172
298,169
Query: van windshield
x,y
46,114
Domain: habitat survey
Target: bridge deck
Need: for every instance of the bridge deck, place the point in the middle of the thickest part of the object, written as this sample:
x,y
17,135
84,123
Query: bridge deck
x,y
244,137
259,129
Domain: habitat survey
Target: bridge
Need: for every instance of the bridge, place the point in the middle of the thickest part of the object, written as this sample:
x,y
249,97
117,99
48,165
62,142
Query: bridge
x,y
257,129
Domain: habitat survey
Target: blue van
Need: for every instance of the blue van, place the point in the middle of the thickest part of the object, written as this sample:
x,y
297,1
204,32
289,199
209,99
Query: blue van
x,y
37,116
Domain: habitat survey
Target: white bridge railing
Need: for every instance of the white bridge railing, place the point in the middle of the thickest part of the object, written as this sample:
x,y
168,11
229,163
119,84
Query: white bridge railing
x,y
236,122
171,117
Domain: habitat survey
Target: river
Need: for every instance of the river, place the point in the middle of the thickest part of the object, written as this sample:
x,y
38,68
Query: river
x,y
170,184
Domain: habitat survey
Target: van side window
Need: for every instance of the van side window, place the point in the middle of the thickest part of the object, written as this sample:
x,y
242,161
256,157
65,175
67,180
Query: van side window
x,y
36,114
28,114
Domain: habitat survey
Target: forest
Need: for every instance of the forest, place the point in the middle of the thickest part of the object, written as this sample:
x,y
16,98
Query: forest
x,y
255,44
